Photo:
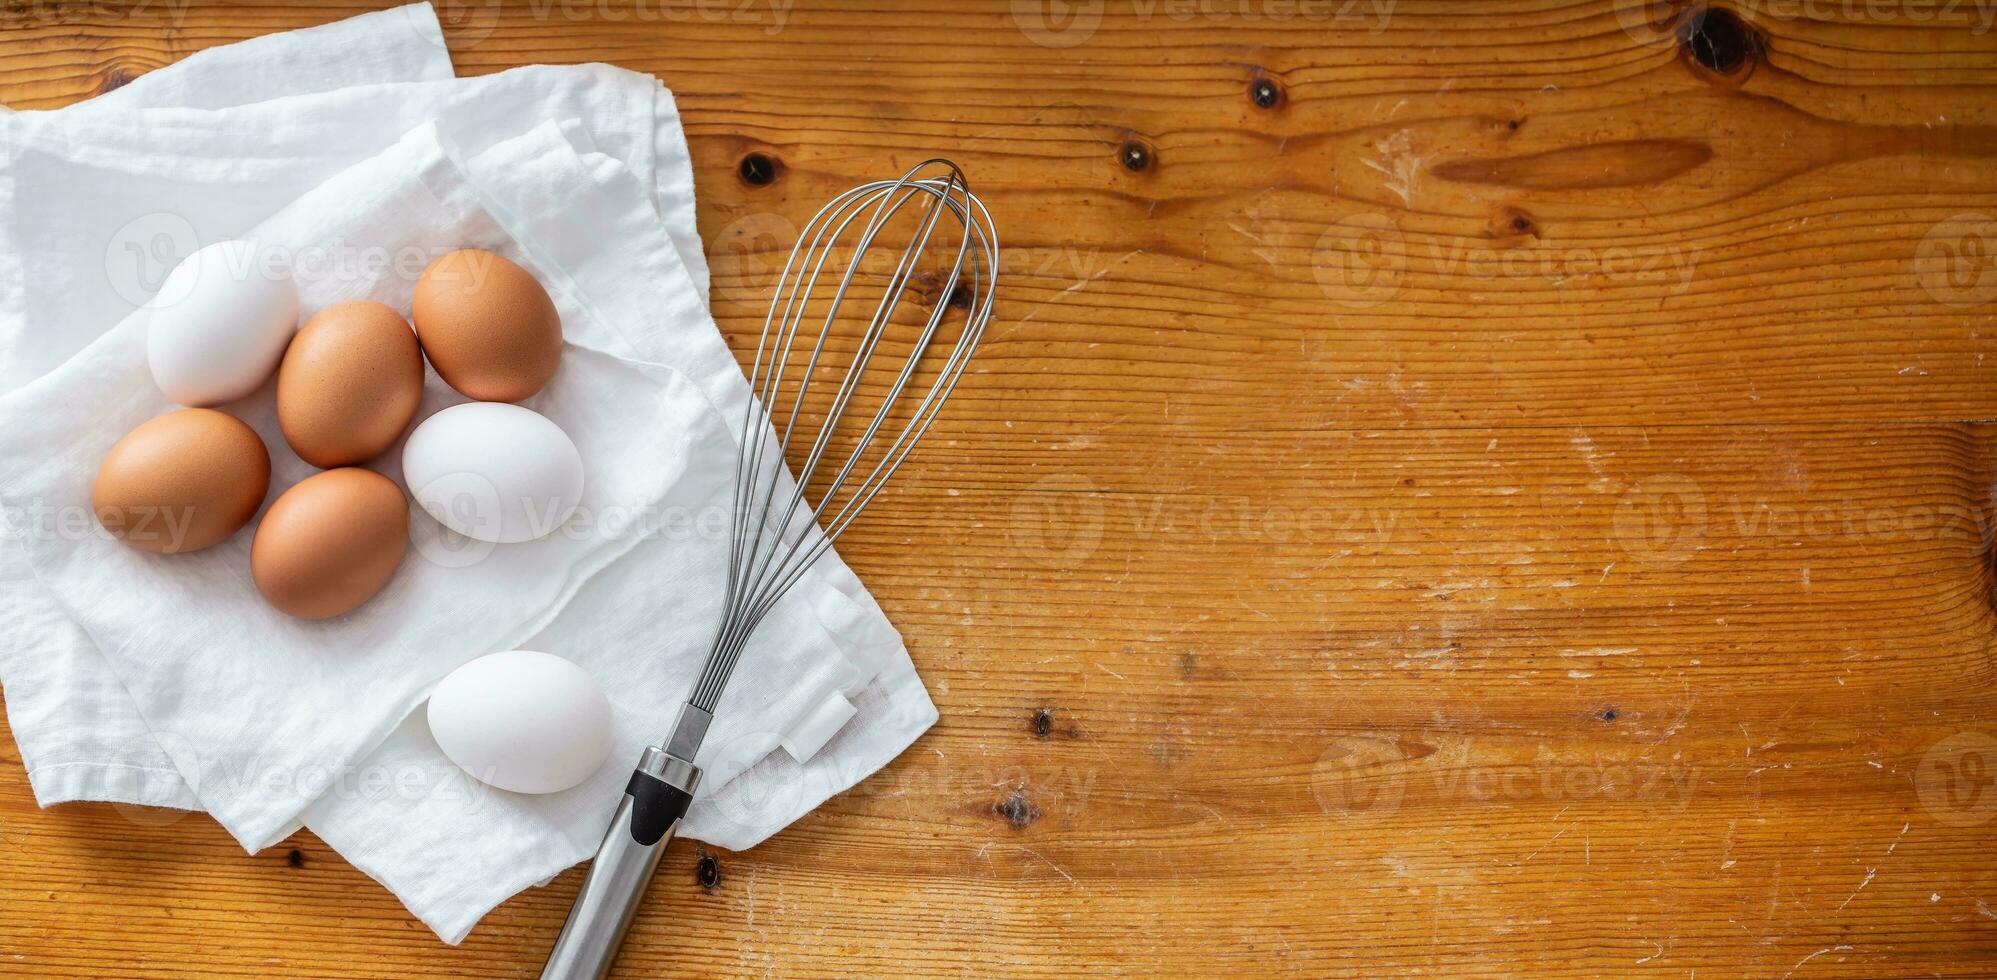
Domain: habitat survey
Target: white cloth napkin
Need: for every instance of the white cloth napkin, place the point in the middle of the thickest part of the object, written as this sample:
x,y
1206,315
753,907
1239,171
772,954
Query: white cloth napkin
x,y
98,205
79,733
451,851
187,634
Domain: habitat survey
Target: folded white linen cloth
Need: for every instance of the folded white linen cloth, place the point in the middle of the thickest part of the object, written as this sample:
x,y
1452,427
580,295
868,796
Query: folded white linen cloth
x,y
439,858
187,633
95,206
79,733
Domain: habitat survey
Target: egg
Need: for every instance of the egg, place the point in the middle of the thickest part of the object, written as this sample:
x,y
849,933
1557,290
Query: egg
x,y
219,323
181,482
349,384
330,543
488,327
522,721
493,472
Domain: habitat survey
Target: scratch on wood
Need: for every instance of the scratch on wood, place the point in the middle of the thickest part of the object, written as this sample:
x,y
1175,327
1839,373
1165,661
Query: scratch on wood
x,y
1839,948
1869,874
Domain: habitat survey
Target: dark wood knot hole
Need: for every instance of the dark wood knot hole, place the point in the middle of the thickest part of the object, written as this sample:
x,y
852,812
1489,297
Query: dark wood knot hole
x,y
758,169
1265,93
1135,156
1719,40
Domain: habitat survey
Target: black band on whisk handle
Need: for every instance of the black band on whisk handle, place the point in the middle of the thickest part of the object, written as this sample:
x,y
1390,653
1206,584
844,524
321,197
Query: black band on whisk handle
x,y
655,801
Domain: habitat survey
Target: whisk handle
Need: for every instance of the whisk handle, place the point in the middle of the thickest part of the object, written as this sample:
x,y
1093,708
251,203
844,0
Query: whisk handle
x,y
655,801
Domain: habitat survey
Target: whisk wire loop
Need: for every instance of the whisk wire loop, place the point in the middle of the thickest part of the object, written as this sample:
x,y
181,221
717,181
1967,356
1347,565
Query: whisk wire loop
x,y
777,532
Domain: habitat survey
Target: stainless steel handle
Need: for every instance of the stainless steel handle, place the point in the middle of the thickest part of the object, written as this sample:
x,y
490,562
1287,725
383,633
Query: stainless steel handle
x,y
654,803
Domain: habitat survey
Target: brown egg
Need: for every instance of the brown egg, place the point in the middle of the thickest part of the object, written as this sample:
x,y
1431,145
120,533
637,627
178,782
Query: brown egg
x,y
181,482
330,542
490,330
349,384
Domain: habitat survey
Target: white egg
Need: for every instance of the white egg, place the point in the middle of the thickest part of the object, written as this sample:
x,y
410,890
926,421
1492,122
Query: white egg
x,y
220,322
493,471
522,721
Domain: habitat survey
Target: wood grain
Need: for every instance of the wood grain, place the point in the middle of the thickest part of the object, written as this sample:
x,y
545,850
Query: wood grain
x,y
1475,490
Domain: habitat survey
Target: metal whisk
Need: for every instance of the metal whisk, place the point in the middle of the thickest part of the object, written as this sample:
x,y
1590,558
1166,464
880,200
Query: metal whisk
x,y
777,530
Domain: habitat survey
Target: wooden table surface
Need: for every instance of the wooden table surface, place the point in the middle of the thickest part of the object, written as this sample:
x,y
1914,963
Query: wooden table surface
x,y
1450,488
